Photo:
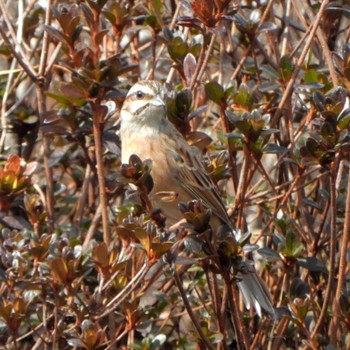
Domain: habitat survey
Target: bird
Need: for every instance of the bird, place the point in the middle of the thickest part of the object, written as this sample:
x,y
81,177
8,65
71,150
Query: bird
x,y
177,168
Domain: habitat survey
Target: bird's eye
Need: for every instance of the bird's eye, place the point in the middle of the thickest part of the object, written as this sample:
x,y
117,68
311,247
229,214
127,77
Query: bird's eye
x,y
140,94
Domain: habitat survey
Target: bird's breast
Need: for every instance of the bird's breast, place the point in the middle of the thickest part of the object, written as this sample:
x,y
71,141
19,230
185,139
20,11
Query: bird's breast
x,y
164,169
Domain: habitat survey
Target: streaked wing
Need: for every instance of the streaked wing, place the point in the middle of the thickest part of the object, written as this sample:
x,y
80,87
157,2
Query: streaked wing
x,y
194,179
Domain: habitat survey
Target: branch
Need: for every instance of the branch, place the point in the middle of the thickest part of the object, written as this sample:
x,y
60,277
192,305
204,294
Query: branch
x,y
342,268
300,62
193,318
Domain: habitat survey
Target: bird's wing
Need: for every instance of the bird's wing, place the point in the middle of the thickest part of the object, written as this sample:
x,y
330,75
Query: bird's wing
x,y
193,177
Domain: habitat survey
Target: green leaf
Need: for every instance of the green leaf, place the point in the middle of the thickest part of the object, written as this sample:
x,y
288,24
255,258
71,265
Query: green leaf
x,y
177,49
293,246
215,92
343,119
311,76
286,68
243,96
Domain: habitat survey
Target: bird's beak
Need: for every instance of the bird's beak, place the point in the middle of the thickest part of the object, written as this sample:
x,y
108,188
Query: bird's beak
x,y
158,102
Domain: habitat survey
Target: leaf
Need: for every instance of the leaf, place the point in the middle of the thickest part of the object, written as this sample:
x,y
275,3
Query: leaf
x,y
189,65
177,50
100,254
312,204
299,289
343,119
76,342
144,238
311,76
286,68
16,222
293,246
269,254
100,35
13,164
314,148
269,87
161,248
312,264
89,16
59,270
268,27
72,90
274,148
319,101
215,92
56,34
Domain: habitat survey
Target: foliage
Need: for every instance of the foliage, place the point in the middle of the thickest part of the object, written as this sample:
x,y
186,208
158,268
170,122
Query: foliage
x,y
260,87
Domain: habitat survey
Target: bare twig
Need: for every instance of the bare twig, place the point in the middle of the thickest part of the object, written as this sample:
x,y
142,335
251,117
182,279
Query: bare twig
x,y
127,290
41,86
333,329
299,64
332,243
21,60
325,49
97,123
193,317
252,44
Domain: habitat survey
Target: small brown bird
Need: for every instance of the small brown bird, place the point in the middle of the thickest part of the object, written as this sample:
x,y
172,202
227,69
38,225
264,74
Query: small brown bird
x,y
177,168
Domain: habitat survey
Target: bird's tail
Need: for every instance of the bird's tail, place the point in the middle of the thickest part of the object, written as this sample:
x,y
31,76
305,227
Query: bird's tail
x,y
254,291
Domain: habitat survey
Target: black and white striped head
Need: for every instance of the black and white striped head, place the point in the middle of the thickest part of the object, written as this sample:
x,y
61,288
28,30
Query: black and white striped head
x,y
144,102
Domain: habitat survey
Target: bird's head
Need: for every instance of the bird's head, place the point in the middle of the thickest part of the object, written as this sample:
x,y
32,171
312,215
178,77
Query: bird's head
x,y
144,103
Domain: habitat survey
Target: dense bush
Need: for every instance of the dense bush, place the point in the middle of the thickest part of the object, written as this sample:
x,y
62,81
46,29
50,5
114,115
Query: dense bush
x,y
260,87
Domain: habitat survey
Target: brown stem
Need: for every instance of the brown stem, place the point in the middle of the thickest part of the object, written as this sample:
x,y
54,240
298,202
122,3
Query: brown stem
x,y
42,81
252,44
240,331
342,268
280,330
199,64
21,60
205,61
97,125
190,312
299,64
325,49
231,150
332,244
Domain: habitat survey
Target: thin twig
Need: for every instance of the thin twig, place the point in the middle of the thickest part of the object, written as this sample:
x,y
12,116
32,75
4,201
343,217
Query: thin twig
x,y
325,49
203,66
163,46
24,64
127,290
299,64
333,330
41,86
252,44
191,314
4,104
97,123
332,243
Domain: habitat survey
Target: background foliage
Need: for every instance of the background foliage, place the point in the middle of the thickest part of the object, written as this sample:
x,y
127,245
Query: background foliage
x,y
260,85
